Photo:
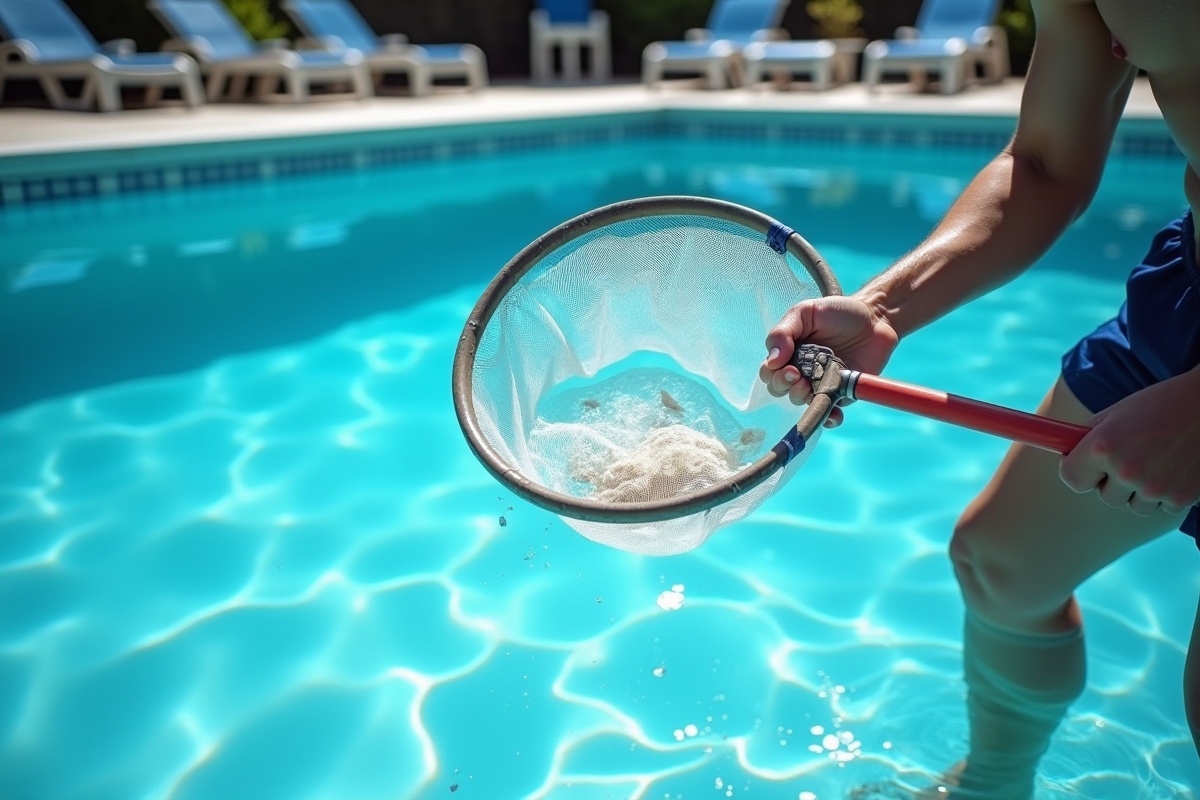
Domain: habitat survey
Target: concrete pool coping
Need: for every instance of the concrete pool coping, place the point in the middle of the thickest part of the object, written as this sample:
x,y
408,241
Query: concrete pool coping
x,y
43,132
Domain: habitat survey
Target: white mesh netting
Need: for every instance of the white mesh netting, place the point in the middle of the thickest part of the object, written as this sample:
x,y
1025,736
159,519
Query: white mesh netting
x,y
624,366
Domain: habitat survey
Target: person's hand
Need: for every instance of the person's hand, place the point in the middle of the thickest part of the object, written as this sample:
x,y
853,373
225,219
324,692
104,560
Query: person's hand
x,y
1144,451
856,332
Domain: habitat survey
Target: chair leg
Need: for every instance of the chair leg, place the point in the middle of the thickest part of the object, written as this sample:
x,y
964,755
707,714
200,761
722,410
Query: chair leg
x,y
477,74
952,74
538,58
823,75
297,86
216,83
362,82
601,60
108,92
420,81
871,74
570,61
651,73
192,89
154,93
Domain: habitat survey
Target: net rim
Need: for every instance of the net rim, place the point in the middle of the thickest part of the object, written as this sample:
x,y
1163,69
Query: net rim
x,y
651,511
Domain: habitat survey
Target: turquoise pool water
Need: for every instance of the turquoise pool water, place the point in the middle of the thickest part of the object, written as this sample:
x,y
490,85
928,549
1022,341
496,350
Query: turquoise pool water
x,y
245,552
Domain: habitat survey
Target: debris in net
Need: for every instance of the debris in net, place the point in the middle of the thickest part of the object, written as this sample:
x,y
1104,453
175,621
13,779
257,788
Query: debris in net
x,y
591,403
503,521
454,787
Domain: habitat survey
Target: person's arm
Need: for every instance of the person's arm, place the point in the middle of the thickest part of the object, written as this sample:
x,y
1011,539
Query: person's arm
x,y
1019,205
1009,215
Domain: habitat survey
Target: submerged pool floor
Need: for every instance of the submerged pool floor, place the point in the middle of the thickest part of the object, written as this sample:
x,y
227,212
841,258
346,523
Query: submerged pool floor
x,y
245,552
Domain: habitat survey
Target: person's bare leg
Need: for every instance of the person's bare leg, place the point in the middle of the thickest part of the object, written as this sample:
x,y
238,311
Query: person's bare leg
x,y
1191,684
1019,550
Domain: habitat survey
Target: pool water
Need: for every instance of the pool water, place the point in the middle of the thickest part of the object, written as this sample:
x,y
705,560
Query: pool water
x,y
245,552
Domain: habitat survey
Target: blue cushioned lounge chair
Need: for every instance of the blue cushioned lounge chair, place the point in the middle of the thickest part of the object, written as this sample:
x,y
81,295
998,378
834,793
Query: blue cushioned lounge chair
x,y
206,30
951,38
46,41
336,26
569,25
715,51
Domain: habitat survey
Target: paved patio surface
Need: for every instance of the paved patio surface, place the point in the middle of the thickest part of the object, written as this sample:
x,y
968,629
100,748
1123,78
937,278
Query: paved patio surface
x,y
26,131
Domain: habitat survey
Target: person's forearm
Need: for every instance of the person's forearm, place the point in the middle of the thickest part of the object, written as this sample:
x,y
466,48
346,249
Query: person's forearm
x,y
1005,220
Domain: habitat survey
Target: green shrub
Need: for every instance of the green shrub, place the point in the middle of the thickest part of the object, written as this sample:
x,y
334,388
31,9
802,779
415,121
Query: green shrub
x,y
255,16
637,23
1017,18
836,19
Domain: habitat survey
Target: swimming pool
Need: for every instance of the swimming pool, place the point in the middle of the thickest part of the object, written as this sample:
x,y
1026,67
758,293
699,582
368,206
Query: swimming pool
x,y
245,552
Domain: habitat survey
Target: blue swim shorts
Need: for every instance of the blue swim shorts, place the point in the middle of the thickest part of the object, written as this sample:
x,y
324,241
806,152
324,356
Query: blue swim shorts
x,y
1155,336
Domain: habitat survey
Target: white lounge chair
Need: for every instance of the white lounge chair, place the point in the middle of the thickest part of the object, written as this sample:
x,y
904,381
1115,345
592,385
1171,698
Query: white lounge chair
x,y
953,38
715,51
817,59
47,42
206,30
569,25
336,26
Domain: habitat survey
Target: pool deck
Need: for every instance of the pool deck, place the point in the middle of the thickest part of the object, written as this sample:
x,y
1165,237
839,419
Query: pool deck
x,y
29,131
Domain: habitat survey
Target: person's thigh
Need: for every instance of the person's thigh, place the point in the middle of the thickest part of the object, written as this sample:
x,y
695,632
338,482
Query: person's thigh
x,y
1027,540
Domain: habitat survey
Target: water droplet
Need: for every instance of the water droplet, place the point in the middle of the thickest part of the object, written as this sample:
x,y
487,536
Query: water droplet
x,y
691,730
658,672
678,734
808,796
816,730
831,742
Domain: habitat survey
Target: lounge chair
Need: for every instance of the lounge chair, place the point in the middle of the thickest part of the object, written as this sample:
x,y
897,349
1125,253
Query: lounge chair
x,y
569,25
816,59
336,26
46,41
715,51
952,38
206,30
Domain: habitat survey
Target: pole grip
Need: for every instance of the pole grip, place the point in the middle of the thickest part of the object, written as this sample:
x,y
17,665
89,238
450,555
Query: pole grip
x,y
1030,429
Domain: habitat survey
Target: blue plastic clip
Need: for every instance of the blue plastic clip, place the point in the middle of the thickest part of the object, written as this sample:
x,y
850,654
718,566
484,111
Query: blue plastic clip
x,y
777,236
794,443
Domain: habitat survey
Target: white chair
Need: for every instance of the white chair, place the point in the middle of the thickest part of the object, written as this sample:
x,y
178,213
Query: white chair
x,y
953,38
47,42
336,26
818,60
569,25
715,52
206,30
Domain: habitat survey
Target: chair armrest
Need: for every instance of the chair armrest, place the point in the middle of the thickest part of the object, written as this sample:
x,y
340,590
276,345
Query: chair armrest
x,y
393,41
23,49
271,45
698,35
907,33
120,47
994,35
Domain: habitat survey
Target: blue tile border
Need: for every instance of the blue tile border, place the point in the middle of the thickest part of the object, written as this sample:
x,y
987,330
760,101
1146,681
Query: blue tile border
x,y
339,153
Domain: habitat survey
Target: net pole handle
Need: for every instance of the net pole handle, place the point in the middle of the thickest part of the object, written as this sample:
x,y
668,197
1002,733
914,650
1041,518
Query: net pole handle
x,y
1018,426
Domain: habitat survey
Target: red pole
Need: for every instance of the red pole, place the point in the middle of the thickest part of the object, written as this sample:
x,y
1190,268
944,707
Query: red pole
x,y
1048,434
